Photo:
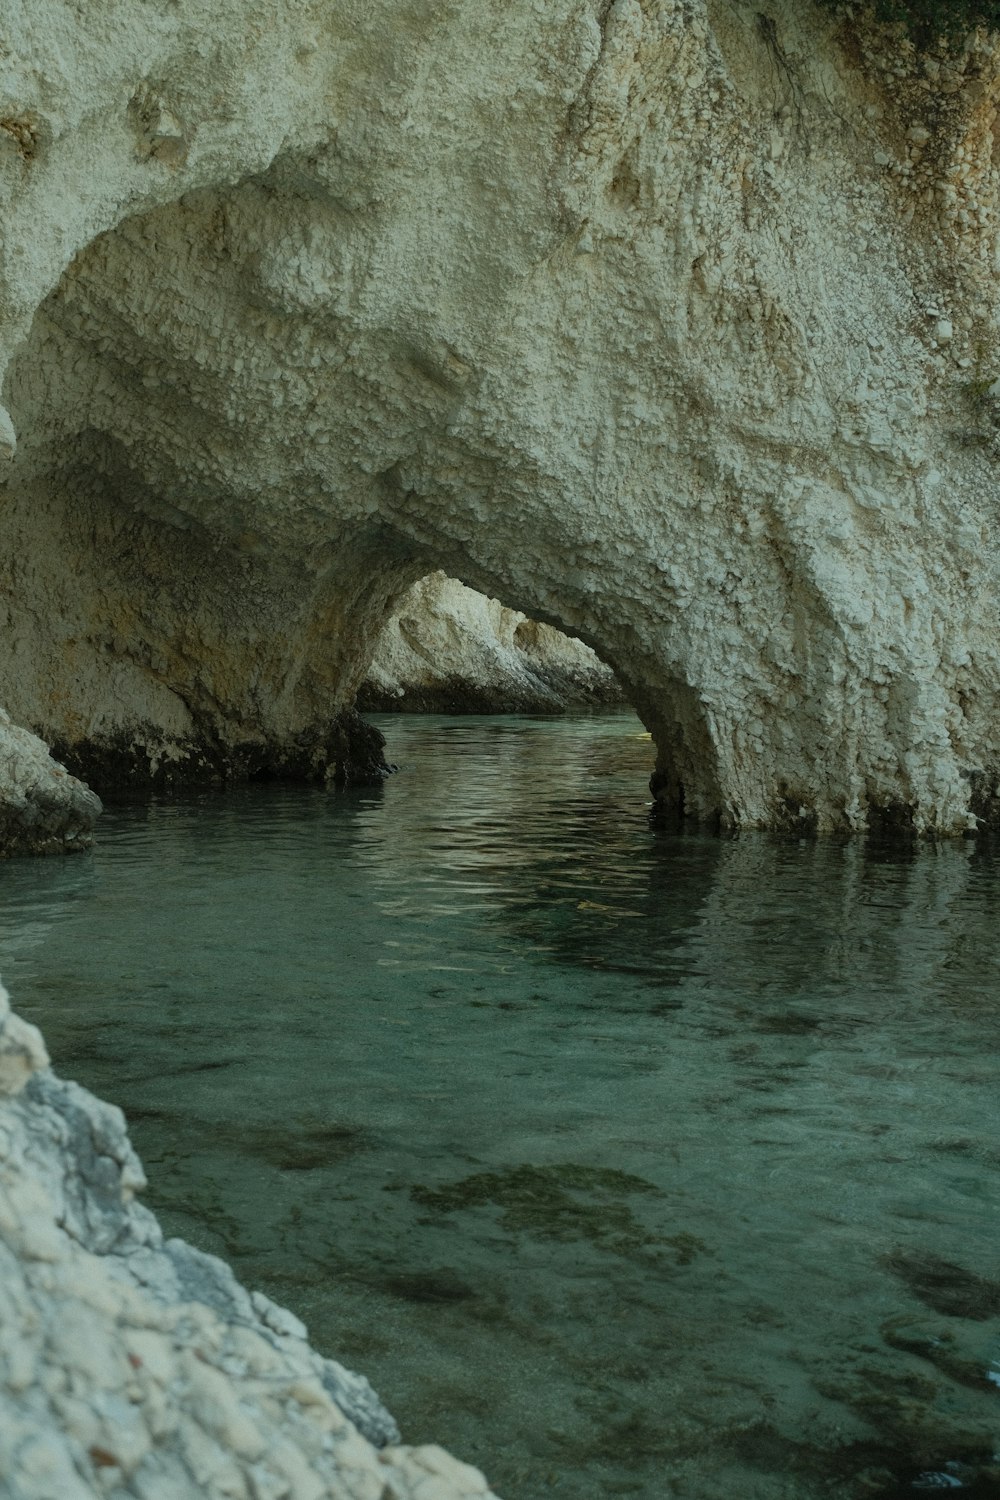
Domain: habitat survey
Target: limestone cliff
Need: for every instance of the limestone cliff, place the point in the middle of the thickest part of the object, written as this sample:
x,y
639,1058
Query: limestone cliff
x,y
447,649
135,1366
670,324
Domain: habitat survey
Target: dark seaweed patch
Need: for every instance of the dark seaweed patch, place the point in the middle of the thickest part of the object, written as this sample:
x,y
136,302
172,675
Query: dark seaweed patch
x,y
946,1287
559,1202
429,1286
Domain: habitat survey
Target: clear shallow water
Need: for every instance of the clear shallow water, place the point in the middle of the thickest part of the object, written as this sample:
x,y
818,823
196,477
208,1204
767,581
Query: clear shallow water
x,y
622,1163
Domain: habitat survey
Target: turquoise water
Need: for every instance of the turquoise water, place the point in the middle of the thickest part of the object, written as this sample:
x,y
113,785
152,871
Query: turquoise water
x,y
623,1163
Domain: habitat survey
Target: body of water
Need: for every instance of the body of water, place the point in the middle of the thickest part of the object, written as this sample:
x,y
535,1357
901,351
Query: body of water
x,y
623,1163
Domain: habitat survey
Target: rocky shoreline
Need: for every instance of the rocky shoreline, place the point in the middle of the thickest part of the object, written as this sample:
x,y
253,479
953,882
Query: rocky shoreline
x,y
134,1365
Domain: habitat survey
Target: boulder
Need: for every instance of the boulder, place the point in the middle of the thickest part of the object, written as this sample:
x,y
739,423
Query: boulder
x,y
43,809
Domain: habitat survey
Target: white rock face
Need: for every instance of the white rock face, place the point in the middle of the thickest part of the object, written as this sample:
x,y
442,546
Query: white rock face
x,y
43,810
135,1366
449,649
673,326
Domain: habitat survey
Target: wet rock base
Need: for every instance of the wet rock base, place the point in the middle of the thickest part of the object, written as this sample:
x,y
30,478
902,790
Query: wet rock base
x,y
347,751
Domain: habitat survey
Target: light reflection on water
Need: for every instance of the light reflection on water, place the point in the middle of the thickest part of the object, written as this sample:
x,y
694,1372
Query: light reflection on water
x,y
622,1163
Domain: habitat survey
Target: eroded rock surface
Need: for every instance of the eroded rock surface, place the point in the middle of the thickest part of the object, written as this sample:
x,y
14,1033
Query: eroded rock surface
x,y
43,810
673,325
448,649
136,1366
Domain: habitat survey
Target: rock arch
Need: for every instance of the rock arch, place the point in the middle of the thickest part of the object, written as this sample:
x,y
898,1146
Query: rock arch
x,y
653,321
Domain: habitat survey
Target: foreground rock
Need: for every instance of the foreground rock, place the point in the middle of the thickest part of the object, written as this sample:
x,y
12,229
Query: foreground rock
x,y
135,1366
673,325
43,810
447,649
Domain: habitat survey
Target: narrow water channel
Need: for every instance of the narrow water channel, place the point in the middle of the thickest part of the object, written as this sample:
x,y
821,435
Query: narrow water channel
x,y
623,1163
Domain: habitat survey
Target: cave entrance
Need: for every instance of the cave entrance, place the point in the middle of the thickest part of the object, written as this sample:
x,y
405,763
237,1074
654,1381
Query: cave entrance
x,y
448,649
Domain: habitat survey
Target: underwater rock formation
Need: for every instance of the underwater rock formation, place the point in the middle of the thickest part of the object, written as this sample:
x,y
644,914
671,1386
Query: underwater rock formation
x,y
447,649
674,326
139,1366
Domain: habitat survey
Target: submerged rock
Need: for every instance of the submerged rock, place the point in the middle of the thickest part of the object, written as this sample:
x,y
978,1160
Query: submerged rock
x,y
137,1365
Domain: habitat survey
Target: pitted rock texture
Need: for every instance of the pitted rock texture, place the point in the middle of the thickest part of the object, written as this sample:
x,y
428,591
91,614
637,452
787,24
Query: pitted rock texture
x,y
447,649
136,1366
43,810
673,325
